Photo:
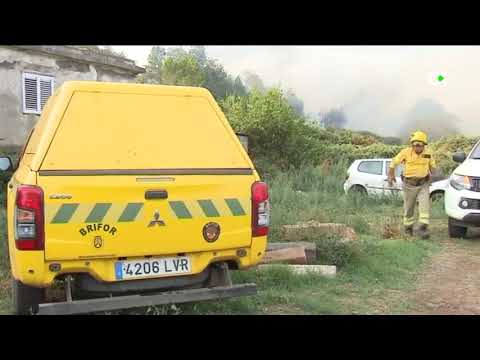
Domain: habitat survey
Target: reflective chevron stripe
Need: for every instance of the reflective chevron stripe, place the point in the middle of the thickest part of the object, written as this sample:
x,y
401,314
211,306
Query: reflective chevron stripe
x,y
98,213
235,207
180,209
129,212
64,214
208,208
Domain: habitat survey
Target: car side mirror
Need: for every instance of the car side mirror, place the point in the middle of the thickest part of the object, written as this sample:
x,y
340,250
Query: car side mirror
x,y
6,164
459,156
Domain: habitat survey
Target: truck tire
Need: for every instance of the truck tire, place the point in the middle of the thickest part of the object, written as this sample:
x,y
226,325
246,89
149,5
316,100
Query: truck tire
x,y
455,231
26,298
437,195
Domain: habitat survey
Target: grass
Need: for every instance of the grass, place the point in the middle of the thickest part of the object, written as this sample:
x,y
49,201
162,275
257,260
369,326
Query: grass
x,y
373,282
366,285
317,194
373,272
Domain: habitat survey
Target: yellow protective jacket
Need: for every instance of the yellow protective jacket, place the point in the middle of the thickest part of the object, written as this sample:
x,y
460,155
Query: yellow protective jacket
x,y
415,165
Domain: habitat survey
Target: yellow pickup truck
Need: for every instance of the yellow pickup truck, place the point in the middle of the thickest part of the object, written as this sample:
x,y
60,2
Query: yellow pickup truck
x,y
135,195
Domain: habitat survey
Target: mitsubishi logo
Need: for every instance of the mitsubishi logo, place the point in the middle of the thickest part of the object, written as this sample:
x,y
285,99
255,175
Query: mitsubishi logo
x,y
156,220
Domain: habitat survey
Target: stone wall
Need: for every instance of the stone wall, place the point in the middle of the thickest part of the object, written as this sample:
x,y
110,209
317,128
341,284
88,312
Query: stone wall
x,y
14,124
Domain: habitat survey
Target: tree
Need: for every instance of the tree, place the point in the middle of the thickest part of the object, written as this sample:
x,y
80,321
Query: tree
x,y
183,69
276,132
191,68
153,70
219,82
155,58
216,79
199,53
238,87
253,81
334,118
176,52
391,140
295,102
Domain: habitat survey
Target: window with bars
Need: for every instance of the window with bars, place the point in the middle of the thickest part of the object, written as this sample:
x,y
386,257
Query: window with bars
x,y
36,91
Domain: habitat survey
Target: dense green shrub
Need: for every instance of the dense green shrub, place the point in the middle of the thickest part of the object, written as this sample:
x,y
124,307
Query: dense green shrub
x,y
444,148
334,252
281,139
390,140
350,152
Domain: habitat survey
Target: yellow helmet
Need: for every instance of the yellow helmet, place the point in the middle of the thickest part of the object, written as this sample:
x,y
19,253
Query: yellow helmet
x,y
419,136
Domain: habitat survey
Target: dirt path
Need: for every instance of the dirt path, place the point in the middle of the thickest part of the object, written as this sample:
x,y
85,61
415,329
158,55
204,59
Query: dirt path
x,y
450,284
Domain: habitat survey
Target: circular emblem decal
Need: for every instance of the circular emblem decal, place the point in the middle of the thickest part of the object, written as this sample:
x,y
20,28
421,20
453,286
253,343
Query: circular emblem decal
x,y
211,231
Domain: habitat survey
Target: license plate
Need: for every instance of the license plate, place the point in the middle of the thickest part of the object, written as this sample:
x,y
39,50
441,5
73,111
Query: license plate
x,y
153,267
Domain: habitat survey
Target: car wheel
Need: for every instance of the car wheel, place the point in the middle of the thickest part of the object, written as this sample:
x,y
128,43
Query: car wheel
x,y
26,298
358,189
437,196
455,231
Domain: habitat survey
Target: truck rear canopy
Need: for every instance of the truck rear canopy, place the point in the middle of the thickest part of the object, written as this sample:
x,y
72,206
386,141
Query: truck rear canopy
x,y
102,130
96,146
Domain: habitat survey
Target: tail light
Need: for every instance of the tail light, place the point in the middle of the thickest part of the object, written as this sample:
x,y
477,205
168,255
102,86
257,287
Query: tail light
x,y
260,209
29,231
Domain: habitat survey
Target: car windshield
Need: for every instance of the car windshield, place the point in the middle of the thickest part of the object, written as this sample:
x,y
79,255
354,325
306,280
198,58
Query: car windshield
x,y
476,152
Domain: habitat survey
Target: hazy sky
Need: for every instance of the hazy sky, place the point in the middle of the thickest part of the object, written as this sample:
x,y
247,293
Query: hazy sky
x,y
381,83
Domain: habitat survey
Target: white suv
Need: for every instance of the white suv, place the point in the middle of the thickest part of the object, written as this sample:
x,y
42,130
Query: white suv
x,y
369,176
462,196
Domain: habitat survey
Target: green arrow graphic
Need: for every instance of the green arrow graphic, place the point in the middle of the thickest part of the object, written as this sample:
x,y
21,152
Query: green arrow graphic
x,y
440,78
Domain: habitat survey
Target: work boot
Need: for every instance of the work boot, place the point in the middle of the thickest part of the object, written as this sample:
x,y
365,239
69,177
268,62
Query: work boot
x,y
423,230
409,230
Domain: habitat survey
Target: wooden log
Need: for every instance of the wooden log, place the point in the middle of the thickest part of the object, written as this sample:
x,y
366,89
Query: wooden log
x,y
325,270
292,255
310,248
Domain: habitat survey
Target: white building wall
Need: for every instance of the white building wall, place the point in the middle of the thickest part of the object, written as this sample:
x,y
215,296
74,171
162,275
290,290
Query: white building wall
x,y
14,124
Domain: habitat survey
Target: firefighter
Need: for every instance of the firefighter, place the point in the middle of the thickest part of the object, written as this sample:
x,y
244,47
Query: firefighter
x,y
418,165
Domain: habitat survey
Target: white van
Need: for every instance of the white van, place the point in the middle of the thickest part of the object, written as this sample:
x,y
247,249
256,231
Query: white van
x,y
462,196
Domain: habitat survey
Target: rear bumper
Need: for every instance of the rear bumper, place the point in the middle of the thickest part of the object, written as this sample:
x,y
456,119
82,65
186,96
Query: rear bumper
x,y
133,301
87,283
32,269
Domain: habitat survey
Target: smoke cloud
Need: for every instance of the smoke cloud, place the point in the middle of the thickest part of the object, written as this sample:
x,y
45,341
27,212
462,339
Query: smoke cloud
x,y
377,86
